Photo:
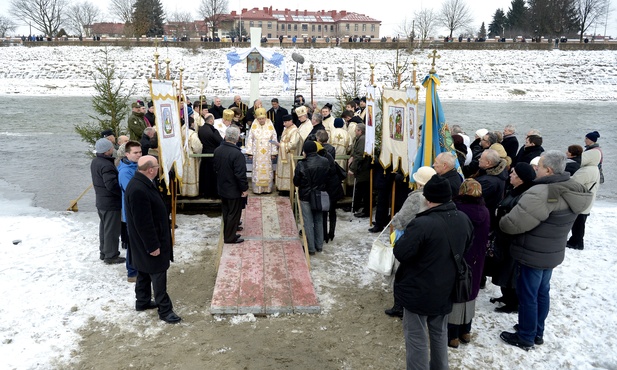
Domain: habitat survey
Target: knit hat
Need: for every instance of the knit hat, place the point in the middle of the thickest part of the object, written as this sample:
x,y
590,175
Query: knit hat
x,y
288,117
471,188
525,172
339,122
437,190
423,174
150,104
593,136
102,146
107,133
309,147
228,114
534,162
481,132
260,113
301,111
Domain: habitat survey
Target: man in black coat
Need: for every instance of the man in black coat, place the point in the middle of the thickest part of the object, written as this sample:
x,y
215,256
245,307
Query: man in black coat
x,y
275,114
510,142
425,278
216,109
444,166
232,184
108,201
149,240
210,139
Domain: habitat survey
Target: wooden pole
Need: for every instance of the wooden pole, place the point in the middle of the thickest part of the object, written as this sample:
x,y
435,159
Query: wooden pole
x,y
312,70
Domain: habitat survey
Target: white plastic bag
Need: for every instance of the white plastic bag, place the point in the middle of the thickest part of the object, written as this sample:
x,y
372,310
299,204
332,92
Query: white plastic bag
x,y
381,258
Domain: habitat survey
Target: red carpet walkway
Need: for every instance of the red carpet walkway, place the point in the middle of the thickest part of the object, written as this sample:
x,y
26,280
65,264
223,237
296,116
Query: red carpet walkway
x,y
267,273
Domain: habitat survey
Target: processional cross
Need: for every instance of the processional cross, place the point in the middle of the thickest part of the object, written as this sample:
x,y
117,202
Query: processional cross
x,y
434,56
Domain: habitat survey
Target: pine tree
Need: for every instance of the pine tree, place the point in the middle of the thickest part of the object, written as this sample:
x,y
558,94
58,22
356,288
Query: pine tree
x,y
148,18
110,102
517,17
496,28
482,33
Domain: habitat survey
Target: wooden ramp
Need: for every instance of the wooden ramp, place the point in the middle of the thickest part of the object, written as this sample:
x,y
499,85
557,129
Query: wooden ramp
x,y
267,273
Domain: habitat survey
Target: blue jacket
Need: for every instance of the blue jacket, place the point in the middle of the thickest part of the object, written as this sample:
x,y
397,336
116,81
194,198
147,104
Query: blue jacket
x,y
126,171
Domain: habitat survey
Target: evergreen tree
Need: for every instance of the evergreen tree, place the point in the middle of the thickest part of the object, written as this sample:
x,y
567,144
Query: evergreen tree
x,y
496,28
553,17
110,102
482,32
148,18
517,18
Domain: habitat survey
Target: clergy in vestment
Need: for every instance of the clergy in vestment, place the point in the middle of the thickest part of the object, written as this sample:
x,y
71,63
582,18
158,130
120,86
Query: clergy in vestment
x,y
261,145
341,141
190,173
327,120
289,146
306,126
222,123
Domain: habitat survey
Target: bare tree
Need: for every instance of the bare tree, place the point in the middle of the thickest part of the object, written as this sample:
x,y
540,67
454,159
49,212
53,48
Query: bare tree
x,y
6,25
43,15
81,16
455,14
590,12
181,22
122,10
426,21
214,12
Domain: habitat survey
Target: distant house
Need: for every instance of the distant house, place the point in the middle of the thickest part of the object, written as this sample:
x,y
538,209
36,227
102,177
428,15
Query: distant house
x,y
108,29
304,23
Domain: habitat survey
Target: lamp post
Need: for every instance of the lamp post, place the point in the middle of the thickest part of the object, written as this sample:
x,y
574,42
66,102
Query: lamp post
x,y
299,59
340,74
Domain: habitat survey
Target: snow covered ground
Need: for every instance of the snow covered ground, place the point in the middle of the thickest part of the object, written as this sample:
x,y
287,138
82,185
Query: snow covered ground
x,y
53,284
465,74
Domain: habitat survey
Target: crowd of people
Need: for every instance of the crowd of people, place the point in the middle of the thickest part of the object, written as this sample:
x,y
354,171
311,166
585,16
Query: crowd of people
x,y
508,210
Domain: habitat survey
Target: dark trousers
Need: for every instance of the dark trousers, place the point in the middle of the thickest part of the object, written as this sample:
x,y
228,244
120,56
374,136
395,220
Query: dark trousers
x,y
109,233
145,284
578,232
331,214
362,197
232,210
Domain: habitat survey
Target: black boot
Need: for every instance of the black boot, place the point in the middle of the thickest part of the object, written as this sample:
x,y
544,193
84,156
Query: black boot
x,y
395,311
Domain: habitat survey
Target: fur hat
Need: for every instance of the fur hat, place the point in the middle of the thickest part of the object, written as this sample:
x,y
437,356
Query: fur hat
x,y
525,172
301,111
288,117
437,190
481,132
309,147
150,104
339,123
260,113
423,174
103,145
327,105
107,133
593,136
228,115
471,188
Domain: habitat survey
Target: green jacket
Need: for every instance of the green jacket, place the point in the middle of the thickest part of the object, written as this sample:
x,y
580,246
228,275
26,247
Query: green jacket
x,y
136,125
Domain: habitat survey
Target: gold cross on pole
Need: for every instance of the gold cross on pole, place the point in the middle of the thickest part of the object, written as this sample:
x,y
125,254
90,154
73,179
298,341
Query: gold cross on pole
x,y
434,56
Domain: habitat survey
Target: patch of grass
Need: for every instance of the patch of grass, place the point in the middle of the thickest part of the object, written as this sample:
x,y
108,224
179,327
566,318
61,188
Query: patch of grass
x,y
517,92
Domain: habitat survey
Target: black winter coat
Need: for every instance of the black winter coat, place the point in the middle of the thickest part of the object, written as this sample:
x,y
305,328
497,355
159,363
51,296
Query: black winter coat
x,y
311,173
455,181
105,181
526,154
230,167
510,145
425,278
277,119
333,181
217,112
148,225
210,138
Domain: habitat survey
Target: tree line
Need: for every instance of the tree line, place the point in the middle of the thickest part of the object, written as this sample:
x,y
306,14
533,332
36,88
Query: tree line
x,y
55,18
527,18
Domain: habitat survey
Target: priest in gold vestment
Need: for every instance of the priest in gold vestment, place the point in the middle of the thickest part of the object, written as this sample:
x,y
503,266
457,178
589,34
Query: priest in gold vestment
x,y
190,168
262,146
289,146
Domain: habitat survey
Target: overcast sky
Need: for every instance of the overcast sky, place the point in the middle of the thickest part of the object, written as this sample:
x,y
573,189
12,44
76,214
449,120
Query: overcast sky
x,y
389,12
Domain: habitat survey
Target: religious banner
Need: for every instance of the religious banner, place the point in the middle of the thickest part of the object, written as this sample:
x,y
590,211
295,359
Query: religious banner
x,y
395,130
371,103
414,134
168,128
436,136
255,63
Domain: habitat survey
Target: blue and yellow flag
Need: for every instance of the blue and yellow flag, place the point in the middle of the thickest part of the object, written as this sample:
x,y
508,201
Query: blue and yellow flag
x,y
436,136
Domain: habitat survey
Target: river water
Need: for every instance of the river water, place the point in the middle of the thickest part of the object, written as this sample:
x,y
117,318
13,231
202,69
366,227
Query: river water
x,y
44,157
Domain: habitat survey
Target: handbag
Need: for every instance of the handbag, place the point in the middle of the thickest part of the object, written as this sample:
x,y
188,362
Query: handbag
x,y
461,292
381,257
319,200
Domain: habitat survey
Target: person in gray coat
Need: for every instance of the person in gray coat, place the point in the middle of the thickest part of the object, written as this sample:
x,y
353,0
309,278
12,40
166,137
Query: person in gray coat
x,y
540,223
